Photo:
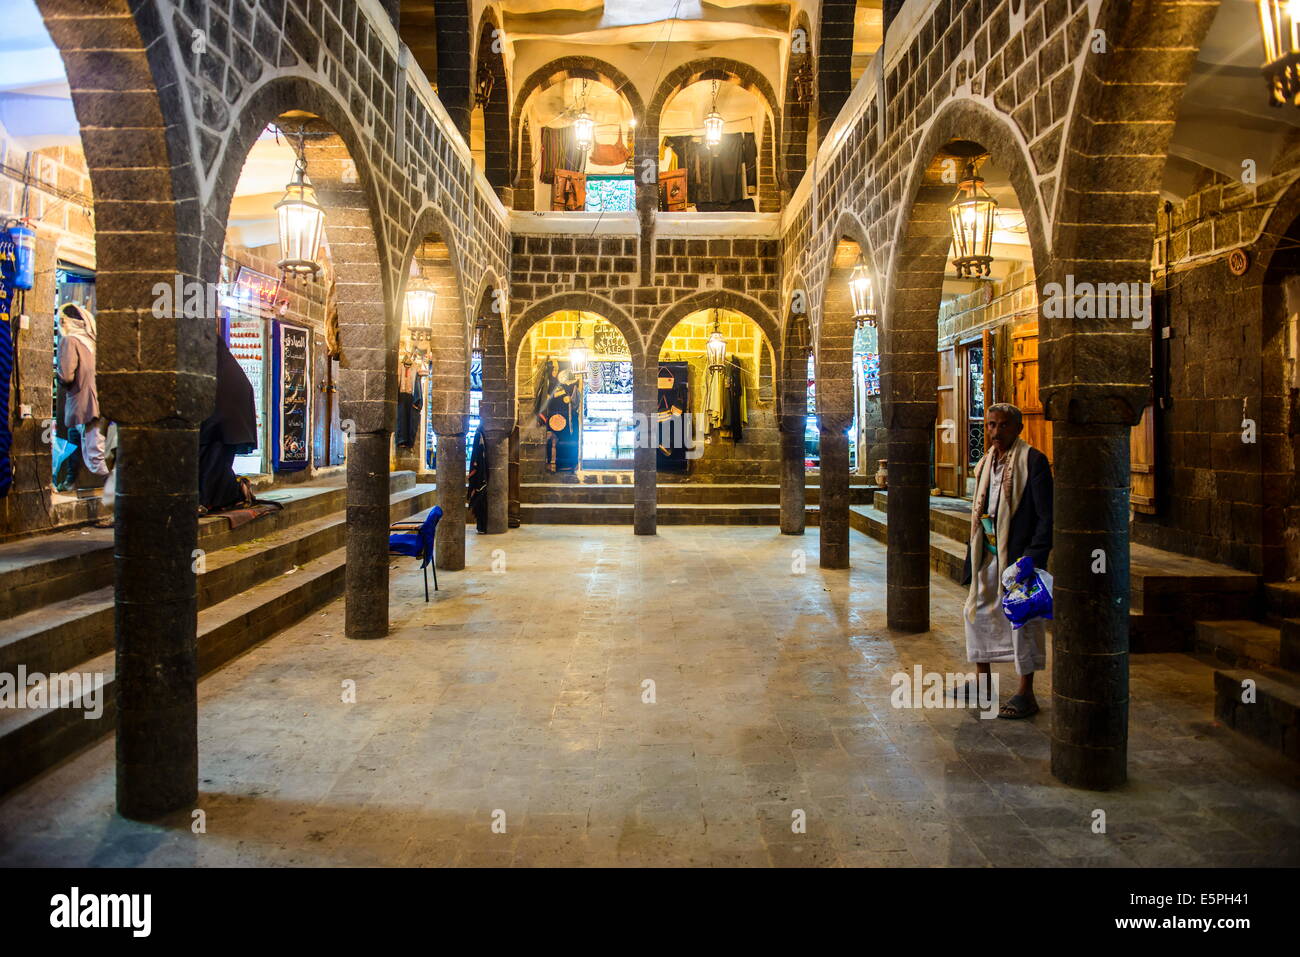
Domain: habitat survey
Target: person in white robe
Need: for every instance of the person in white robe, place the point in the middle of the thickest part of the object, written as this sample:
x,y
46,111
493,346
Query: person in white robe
x,y
1011,517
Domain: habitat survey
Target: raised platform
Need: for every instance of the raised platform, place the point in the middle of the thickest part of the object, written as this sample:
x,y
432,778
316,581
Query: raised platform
x,y
253,582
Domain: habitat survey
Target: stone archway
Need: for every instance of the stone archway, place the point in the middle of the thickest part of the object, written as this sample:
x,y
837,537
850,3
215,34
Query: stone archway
x,y
155,380
909,361
1094,378
497,405
726,71
792,407
557,71
498,135
794,136
833,332
447,401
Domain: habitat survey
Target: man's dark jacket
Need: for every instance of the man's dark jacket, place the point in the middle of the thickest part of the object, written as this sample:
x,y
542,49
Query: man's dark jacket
x,y
1031,525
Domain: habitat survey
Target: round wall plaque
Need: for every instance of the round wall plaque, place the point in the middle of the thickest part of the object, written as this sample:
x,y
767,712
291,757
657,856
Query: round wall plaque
x,y
1238,262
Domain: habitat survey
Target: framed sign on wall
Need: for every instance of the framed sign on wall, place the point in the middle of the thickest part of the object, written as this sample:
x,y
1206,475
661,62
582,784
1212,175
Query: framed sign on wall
x,y
291,408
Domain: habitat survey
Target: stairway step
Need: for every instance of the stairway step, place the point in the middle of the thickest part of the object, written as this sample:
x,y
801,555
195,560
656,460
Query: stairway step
x,y
1282,599
1289,648
1239,643
56,638
683,514
699,493
46,569
1273,717
946,556
34,740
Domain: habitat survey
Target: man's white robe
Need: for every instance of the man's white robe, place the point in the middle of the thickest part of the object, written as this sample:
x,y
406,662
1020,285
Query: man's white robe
x,y
1000,481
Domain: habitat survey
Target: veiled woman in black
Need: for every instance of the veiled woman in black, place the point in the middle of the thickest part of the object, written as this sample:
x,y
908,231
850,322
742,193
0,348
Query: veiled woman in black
x,y
230,430
477,482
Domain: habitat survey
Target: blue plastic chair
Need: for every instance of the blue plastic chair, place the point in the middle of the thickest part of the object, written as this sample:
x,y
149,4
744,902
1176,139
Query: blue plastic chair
x,y
416,540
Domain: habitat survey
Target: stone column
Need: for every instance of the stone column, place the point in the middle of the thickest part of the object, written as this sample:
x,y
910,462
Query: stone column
x,y
793,481
449,550
155,619
514,510
1091,606
907,537
833,512
497,449
645,400
365,603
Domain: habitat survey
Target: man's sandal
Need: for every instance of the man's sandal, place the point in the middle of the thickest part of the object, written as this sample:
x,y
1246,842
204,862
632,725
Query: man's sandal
x,y
1019,707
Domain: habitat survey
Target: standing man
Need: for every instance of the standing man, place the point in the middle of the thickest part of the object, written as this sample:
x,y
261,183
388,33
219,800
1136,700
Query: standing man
x,y
1011,517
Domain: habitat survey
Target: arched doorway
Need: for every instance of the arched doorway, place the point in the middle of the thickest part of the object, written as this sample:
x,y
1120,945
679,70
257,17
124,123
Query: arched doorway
x,y
574,381
716,383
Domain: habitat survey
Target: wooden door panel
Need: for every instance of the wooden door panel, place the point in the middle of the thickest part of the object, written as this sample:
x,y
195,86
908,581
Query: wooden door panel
x,y
947,444
1024,387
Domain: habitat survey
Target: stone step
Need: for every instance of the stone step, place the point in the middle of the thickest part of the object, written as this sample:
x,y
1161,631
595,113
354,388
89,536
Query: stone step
x,y
947,557
1289,646
685,514
1239,644
34,740
543,493
1168,592
57,638
1282,600
57,567
1274,716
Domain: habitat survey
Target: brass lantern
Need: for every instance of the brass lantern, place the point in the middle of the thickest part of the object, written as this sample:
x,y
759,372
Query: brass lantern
x,y
419,311
863,295
804,87
1280,22
584,127
578,352
716,348
972,212
713,123
302,222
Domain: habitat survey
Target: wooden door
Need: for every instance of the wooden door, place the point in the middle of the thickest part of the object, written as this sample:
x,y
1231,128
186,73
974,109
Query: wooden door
x,y
947,435
1142,463
1024,387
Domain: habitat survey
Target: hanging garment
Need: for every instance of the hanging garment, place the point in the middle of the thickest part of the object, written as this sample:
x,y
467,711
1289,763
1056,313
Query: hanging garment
x,y
476,482
668,159
673,409
714,396
230,430
408,415
732,167
737,417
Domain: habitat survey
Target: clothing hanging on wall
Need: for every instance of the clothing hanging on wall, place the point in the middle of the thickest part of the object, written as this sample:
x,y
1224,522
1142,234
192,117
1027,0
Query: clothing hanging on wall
x,y
557,407
670,422
737,416
559,150
409,403
722,178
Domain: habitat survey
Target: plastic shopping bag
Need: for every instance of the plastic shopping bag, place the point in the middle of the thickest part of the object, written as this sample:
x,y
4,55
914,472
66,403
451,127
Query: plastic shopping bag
x,y
1026,593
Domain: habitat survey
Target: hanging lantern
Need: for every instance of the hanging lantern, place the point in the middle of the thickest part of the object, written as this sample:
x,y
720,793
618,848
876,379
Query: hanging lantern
x,y
419,310
578,352
713,122
863,295
1280,22
716,348
484,80
583,130
302,221
803,85
972,212
476,344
